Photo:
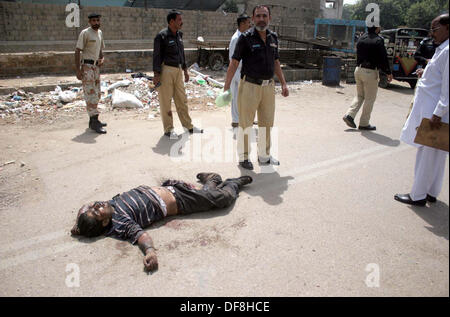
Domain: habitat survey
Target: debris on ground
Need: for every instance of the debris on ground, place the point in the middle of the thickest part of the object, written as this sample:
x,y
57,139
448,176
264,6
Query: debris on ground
x,y
201,90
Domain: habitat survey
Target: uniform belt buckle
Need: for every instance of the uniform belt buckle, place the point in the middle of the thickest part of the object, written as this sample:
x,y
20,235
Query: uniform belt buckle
x,y
265,82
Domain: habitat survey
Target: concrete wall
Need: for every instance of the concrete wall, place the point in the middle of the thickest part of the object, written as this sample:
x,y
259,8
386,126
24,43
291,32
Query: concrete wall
x,y
29,27
63,63
334,13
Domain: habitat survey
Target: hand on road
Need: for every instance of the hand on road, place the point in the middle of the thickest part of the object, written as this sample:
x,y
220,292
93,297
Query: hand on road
x,y
150,261
390,78
100,62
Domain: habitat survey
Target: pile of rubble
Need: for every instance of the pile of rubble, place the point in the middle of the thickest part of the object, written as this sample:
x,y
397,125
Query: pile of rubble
x,y
132,93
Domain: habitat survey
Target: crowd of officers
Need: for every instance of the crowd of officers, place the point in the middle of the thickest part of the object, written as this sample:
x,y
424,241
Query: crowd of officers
x,y
254,61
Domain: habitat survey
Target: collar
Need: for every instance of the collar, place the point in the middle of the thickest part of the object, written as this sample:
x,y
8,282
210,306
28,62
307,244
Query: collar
x,y
254,32
443,45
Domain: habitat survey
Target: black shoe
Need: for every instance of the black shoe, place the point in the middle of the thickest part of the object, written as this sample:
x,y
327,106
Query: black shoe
x,y
350,122
235,125
245,180
270,161
431,199
171,134
240,181
204,177
406,199
246,164
367,128
95,125
195,130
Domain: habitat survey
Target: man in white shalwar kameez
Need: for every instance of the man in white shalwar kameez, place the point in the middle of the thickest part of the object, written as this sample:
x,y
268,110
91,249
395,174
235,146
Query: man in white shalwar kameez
x,y
244,23
431,101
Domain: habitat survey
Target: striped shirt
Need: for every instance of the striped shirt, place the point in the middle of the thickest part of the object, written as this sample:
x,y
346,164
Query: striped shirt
x,y
135,210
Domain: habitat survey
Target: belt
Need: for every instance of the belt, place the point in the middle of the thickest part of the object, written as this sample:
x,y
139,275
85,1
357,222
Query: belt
x,y
368,66
90,61
261,82
173,65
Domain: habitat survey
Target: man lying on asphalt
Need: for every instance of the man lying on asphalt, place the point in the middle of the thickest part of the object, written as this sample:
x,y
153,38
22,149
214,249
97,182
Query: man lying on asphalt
x,y
125,215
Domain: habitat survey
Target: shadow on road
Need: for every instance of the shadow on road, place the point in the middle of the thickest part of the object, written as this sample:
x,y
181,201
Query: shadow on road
x,y
270,186
87,137
436,215
165,145
378,138
406,90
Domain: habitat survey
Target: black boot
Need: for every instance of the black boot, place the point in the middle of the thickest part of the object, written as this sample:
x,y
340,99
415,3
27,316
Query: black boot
x,y
240,181
96,125
205,177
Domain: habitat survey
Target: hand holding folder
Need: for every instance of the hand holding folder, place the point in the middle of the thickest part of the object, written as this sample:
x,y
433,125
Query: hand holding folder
x,y
436,138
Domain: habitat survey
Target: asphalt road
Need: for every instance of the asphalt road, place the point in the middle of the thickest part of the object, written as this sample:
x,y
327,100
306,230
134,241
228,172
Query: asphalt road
x,y
322,224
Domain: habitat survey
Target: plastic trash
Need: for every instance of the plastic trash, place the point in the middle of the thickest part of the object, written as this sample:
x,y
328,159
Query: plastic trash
x,y
200,81
125,100
17,98
122,83
224,99
67,96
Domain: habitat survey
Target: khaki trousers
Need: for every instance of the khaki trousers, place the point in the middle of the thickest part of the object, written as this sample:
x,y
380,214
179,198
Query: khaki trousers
x,y
367,88
172,86
254,99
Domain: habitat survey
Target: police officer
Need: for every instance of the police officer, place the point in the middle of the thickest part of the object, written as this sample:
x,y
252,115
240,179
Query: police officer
x,y
258,50
371,57
88,60
169,64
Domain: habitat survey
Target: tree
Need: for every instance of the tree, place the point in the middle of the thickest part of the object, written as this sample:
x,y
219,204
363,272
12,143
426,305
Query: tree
x,y
231,6
421,14
395,13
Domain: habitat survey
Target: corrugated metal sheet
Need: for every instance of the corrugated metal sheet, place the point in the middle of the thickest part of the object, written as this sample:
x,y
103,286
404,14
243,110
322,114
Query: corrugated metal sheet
x,y
210,5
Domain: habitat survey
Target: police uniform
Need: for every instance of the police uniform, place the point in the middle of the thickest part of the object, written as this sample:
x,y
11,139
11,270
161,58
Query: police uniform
x,y
90,42
256,89
371,57
169,60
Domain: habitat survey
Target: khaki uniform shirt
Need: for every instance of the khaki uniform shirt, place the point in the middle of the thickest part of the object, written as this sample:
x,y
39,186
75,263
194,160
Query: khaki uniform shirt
x,y
90,42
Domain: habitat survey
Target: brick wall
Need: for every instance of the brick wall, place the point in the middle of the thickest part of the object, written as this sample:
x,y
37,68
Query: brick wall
x,y
28,27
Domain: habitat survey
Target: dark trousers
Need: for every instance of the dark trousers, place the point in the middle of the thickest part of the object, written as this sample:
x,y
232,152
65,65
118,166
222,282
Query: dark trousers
x,y
211,196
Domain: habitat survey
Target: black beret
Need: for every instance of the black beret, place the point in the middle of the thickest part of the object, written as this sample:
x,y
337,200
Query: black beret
x,y
94,15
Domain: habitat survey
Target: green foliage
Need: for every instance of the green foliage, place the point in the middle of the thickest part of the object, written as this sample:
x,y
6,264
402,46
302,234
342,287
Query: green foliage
x,y
231,6
395,13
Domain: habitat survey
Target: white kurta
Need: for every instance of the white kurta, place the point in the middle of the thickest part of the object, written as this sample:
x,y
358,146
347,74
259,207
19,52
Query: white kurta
x,y
236,79
431,96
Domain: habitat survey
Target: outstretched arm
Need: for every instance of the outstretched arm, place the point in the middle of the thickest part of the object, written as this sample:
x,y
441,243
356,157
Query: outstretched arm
x,y
145,243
